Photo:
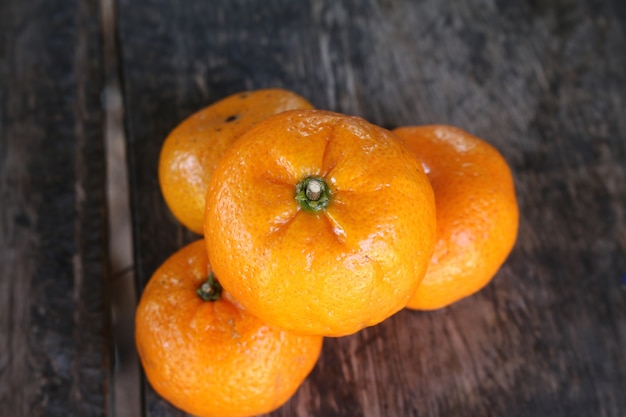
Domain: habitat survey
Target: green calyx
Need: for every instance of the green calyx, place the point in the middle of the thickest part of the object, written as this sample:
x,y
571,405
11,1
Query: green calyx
x,y
211,289
313,194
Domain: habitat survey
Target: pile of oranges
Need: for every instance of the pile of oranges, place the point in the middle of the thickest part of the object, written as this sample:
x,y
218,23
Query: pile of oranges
x,y
315,224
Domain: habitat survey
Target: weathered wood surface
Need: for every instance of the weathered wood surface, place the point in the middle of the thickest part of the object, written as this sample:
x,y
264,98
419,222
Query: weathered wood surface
x,y
544,81
53,349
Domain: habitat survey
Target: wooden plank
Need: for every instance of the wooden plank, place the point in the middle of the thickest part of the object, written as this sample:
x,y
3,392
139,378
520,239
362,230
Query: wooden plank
x,y
125,383
53,349
543,82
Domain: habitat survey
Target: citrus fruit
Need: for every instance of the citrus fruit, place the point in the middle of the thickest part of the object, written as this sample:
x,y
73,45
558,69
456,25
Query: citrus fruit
x,y
204,354
477,212
313,219
190,152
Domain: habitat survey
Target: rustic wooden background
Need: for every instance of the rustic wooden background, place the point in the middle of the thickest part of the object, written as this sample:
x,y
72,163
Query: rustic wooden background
x,y
544,81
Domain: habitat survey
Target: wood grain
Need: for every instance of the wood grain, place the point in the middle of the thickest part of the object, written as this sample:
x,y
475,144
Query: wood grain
x,y
53,349
542,81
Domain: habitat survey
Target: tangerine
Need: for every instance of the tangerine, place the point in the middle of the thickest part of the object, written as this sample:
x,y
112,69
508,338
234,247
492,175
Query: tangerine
x,y
313,219
477,212
207,356
191,151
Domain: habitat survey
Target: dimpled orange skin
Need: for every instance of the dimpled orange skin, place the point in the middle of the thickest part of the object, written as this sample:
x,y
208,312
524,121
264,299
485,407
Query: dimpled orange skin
x,y
191,151
211,358
477,212
334,272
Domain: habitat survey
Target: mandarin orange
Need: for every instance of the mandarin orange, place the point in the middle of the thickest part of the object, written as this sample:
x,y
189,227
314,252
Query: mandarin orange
x,y
313,219
204,354
191,151
477,212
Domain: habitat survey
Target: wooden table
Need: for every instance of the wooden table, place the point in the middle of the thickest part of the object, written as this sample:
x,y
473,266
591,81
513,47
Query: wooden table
x,y
544,81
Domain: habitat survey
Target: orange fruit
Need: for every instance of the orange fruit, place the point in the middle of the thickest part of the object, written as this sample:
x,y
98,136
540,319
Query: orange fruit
x,y
191,151
312,221
211,358
477,212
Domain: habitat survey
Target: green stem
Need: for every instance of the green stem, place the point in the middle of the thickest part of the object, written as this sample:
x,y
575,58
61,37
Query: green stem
x,y
313,194
211,289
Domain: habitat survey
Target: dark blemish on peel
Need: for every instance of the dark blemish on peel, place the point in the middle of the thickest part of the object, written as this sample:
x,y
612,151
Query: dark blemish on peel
x,y
232,118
